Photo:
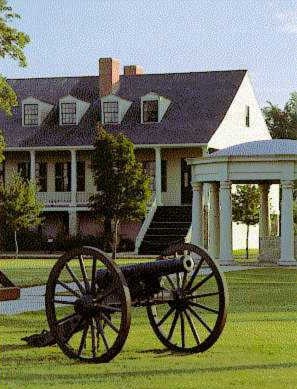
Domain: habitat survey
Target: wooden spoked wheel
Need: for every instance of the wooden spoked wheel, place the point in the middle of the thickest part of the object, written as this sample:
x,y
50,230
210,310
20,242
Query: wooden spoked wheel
x,y
88,322
192,316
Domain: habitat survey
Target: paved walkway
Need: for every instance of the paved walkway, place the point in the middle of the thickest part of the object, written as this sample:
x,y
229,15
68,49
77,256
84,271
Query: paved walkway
x,y
32,299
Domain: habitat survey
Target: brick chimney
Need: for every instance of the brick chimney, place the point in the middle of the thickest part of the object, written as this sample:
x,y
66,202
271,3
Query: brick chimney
x,y
109,74
133,70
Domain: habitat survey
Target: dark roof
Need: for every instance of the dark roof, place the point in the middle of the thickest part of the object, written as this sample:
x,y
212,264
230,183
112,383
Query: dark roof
x,y
199,102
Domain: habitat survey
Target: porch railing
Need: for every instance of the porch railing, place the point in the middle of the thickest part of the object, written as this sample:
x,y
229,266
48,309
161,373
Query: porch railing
x,y
145,225
60,199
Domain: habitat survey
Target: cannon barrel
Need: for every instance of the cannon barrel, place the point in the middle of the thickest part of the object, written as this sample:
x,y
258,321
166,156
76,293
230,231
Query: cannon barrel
x,y
146,270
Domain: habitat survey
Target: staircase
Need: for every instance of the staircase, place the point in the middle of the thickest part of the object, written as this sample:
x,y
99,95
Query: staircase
x,y
169,225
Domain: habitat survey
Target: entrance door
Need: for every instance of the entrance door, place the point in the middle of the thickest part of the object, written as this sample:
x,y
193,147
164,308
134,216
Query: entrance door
x,y
186,187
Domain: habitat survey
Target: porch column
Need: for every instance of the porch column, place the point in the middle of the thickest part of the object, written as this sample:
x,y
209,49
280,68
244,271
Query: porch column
x,y
32,166
214,221
158,176
264,217
197,214
73,178
226,255
287,224
72,222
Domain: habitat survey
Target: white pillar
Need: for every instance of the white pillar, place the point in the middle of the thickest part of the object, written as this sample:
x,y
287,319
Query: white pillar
x,y
72,222
226,255
214,221
158,176
197,214
73,178
32,166
264,217
287,224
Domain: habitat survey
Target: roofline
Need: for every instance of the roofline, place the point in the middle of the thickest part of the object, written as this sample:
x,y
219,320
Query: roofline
x,y
48,77
91,147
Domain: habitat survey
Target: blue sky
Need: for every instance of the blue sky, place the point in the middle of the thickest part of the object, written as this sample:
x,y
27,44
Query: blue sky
x,y
68,37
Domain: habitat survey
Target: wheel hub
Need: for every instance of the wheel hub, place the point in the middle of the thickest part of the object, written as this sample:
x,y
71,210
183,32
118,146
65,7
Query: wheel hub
x,y
85,306
179,302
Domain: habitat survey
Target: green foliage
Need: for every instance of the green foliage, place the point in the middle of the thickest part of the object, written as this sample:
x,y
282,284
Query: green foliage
x,y
123,188
20,207
282,123
245,207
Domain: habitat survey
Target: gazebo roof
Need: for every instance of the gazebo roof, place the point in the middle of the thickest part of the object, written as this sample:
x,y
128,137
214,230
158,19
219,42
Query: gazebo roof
x,y
259,148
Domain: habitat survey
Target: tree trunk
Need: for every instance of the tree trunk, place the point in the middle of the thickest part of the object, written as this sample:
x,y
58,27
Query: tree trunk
x,y
107,238
115,240
247,241
16,244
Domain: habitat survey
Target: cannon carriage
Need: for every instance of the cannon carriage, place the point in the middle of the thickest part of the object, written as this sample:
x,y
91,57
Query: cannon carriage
x,y
89,300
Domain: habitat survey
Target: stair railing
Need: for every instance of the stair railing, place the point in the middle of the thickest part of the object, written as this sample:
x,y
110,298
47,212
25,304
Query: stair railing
x,y
188,237
145,225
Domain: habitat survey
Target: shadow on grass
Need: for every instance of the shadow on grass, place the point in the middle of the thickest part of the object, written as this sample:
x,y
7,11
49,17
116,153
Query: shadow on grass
x,y
14,347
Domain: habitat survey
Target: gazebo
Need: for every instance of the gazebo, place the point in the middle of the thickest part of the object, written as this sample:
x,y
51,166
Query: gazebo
x,y
261,162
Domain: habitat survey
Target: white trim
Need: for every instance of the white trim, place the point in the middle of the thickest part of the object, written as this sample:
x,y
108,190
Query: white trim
x,y
145,225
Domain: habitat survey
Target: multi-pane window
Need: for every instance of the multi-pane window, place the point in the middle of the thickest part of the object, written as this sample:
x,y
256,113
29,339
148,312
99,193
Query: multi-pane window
x,y
150,111
68,113
30,114
110,112
62,177
247,116
150,169
24,170
81,177
41,176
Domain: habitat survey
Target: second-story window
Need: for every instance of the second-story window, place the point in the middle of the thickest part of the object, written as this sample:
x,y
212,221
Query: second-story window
x,y
247,116
150,111
24,170
2,173
68,113
81,176
30,114
62,176
41,176
111,112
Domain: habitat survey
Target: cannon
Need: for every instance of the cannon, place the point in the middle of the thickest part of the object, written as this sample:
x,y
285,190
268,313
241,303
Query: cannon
x,y
89,298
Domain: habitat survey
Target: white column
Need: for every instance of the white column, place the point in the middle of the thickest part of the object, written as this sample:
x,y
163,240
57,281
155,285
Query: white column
x,y
214,221
264,217
72,222
226,255
73,178
197,215
287,224
158,176
32,166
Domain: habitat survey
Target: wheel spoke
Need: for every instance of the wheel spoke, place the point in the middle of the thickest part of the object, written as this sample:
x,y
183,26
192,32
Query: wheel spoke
x,y
195,272
110,323
200,319
202,282
182,328
75,279
184,280
83,339
65,286
93,335
64,302
203,307
109,308
66,318
193,328
108,293
177,281
101,331
167,314
197,296
173,325
84,274
171,282
93,281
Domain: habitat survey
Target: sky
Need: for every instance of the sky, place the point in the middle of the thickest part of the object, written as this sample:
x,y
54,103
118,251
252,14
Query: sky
x,y
69,36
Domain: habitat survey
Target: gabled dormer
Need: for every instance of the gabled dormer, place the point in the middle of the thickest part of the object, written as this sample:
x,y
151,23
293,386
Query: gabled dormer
x,y
34,111
153,107
71,110
113,109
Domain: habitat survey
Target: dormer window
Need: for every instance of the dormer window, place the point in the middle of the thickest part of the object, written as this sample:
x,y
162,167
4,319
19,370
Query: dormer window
x,y
110,112
150,111
30,114
68,113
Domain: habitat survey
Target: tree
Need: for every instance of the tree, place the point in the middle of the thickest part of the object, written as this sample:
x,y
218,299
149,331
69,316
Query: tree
x,y
245,206
12,44
20,207
123,188
282,123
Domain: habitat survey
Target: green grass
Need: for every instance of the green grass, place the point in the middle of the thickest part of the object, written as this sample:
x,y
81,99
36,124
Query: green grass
x,y
256,350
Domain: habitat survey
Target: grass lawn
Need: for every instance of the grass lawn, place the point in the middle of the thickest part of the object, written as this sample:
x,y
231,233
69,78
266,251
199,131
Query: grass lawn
x,y
258,348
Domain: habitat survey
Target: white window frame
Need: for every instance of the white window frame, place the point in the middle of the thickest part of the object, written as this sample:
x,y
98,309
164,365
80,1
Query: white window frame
x,y
61,113
104,112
